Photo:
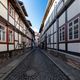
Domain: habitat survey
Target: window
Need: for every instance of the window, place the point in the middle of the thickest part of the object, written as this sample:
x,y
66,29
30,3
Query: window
x,y
62,34
70,31
10,36
74,29
2,33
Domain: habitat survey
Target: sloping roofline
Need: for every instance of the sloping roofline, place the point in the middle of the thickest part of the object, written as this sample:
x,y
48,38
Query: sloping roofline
x,y
50,3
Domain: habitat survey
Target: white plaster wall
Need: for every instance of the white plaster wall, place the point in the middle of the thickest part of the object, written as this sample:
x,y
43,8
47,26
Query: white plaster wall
x,y
20,39
74,9
55,27
52,39
3,11
62,19
16,16
55,37
17,25
51,45
16,36
4,2
16,44
11,20
60,6
75,47
51,29
20,28
3,47
11,47
62,46
55,46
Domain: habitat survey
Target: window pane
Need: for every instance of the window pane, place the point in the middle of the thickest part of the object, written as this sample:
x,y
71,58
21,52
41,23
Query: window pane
x,y
70,24
76,31
70,33
75,21
3,37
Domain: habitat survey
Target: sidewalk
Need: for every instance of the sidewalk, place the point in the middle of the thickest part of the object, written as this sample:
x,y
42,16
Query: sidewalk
x,y
5,71
71,72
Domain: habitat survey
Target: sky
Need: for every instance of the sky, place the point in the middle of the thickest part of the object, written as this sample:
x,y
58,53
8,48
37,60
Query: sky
x,y
36,10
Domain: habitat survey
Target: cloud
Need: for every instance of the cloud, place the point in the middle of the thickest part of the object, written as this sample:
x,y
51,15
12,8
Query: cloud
x,y
35,29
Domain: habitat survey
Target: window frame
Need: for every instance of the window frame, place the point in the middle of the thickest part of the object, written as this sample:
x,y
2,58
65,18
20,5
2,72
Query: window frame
x,y
73,29
3,38
78,28
61,33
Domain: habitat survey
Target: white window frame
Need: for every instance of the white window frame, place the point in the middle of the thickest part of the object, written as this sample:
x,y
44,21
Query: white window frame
x,y
60,32
78,28
3,31
73,29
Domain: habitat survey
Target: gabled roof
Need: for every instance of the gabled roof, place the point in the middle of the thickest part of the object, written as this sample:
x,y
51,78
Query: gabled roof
x,y
29,23
23,7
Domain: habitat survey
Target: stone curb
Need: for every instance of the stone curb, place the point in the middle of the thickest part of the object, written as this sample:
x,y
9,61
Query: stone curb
x,y
67,71
5,71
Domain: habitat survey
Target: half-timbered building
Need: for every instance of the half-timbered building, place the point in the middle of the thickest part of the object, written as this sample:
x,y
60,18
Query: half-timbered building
x,y
60,28
15,29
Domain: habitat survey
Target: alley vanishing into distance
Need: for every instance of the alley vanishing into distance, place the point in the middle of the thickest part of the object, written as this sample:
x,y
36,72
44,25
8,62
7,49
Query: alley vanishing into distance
x,y
39,39
36,66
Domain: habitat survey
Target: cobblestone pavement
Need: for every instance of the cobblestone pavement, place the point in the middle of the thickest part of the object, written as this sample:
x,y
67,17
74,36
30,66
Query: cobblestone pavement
x,y
37,66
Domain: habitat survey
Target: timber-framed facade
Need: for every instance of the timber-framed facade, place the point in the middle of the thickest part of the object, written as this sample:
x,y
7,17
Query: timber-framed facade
x,y
15,30
60,30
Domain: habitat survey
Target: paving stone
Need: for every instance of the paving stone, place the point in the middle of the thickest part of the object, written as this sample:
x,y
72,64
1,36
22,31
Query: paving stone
x,y
37,66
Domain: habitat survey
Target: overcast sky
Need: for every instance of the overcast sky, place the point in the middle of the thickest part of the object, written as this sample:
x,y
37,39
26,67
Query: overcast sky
x,y
35,10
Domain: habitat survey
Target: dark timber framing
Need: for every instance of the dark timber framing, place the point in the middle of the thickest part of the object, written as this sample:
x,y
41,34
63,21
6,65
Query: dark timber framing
x,y
56,19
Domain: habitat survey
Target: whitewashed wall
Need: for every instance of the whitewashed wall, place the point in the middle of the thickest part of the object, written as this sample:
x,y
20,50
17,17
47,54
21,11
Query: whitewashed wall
x,y
62,46
16,44
16,25
74,9
55,38
62,19
51,38
11,20
3,10
52,29
55,27
55,46
16,36
11,47
20,39
21,29
3,47
16,17
4,2
60,6
74,47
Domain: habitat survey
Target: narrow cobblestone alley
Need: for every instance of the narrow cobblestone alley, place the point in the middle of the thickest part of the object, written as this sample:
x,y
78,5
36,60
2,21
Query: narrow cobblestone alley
x,y
37,66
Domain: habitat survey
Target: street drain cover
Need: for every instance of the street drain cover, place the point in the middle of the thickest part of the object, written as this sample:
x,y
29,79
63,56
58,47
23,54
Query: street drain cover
x,y
31,72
